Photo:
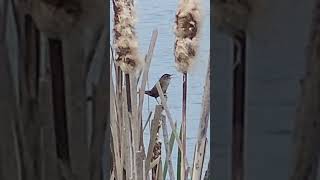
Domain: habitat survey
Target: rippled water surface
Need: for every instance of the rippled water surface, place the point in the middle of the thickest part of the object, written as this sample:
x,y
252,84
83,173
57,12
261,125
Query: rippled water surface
x,y
160,14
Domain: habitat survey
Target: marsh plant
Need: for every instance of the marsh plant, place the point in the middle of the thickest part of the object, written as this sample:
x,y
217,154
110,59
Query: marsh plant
x,y
129,74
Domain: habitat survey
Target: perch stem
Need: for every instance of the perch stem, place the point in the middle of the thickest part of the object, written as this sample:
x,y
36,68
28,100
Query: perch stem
x,y
184,122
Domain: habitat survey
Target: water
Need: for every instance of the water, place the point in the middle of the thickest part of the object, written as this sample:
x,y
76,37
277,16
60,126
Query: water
x,y
160,14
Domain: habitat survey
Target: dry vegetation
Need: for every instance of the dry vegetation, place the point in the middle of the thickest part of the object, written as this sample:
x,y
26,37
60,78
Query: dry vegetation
x,y
132,158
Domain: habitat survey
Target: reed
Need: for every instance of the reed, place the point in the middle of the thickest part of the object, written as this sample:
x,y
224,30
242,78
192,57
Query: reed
x,y
131,162
186,30
129,76
168,149
171,142
126,121
200,148
125,40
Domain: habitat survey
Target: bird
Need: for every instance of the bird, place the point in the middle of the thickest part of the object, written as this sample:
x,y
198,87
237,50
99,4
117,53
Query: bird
x,y
164,83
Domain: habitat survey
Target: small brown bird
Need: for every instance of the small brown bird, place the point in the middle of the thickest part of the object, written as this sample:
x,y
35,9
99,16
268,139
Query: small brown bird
x,y
164,83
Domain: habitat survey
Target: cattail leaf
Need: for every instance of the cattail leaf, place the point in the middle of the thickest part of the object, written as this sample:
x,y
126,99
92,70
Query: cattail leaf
x,y
171,143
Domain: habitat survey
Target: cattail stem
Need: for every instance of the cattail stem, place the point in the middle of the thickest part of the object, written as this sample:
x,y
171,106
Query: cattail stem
x,y
184,123
128,89
184,100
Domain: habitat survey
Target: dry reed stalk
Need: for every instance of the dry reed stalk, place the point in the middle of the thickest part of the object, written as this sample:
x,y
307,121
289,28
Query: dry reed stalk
x,y
113,61
127,58
173,125
154,163
166,145
121,130
186,173
139,164
157,150
148,120
126,138
117,95
112,177
134,158
135,123
203,127
198,160
153,135
126,44
131,177
171,143
114,132
160,176
122,134
159,172
145,74
143,169
119,135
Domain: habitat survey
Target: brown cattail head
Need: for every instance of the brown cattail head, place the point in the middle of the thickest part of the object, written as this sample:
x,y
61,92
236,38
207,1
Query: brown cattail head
x,y
187,31
126,44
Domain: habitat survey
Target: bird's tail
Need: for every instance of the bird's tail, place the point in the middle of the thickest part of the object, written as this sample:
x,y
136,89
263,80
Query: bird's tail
x,y
147,92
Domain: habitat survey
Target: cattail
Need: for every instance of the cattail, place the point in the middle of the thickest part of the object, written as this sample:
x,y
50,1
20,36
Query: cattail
x,y
186,28
125,40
